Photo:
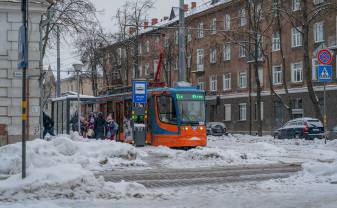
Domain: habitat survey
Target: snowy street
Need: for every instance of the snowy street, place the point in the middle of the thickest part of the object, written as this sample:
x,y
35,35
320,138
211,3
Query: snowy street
x,y
232,171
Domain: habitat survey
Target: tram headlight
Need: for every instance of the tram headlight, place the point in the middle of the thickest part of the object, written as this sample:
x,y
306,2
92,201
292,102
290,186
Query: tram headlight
x,y
186,128
201,128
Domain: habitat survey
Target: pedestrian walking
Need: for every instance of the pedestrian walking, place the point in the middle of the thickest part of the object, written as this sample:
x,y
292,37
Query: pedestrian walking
x,y
48,125
109,128
99,127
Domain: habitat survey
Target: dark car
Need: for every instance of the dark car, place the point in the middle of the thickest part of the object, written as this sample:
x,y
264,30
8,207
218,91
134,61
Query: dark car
x,y
215,128
307,128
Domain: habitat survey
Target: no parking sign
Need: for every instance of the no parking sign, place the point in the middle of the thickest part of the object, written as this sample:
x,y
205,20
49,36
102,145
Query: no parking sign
x,y
324,57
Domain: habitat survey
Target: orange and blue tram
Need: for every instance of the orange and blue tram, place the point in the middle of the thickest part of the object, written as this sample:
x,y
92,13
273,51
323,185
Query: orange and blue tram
x,y
175,117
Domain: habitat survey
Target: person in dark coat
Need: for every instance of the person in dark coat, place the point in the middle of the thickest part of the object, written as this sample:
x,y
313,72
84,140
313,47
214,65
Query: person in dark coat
x,y
48,125
100,125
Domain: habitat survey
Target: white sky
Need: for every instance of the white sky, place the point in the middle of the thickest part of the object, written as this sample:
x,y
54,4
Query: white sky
x,y
106,10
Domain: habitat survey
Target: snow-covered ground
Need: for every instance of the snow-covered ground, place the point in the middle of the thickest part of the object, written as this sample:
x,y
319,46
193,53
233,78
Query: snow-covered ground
x,y
61,173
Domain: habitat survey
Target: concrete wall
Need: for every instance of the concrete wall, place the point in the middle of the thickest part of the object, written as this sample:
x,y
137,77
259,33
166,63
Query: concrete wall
x,y
11,77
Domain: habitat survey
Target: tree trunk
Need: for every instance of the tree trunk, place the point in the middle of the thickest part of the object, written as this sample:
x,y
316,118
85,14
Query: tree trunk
x,y
307,64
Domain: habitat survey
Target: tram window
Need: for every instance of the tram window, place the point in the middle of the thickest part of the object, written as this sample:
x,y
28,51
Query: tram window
x,y
166,109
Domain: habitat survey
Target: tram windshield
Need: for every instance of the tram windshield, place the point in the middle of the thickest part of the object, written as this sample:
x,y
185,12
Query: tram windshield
x,y
191,108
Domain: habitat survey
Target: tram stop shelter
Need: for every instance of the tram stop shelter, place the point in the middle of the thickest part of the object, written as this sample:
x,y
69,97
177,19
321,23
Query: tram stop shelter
x,y
64,108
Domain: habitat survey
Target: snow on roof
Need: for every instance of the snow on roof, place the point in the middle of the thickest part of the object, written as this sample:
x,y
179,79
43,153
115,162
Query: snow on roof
x,y
70,95
203,7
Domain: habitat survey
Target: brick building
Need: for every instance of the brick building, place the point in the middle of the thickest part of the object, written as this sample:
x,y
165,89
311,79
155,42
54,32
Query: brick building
x,y
11,76
219,61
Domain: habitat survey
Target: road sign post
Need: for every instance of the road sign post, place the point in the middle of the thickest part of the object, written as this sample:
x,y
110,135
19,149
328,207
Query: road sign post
x,y
324,75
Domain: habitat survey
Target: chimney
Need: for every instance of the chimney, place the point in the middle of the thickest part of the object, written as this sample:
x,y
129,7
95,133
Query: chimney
x,y
186,7
193,5
154,21
166,18
146,25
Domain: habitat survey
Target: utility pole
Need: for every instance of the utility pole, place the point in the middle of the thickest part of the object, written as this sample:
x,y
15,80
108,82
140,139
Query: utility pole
x,y
182,71
24,48
58,84
78,69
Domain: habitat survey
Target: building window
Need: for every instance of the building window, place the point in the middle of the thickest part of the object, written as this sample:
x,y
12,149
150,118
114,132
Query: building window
x,y
140,49
242,111
213,83
296,37
227,22
176,37
147,46
296,5
140,68
275,7
213,56
227,79
319,32
147,69
213,26
242,17
200,59
318,2
227,52
255,115
260,73
155,66
176,66
296,72
242,50
189,61
166,41
276,41
277,75
189,34
201,84
228,112
200,31
243,80
315,65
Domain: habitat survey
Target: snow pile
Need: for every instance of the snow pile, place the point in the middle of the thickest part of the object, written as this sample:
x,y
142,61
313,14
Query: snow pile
x,y
163,151
266,149
90,154
320,172
65,181
205,153
63,168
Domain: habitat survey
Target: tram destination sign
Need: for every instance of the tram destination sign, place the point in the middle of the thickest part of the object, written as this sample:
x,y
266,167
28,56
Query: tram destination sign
x,y
139,91
190,96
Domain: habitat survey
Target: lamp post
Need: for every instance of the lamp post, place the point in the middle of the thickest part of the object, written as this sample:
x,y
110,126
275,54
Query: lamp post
x,y
78,69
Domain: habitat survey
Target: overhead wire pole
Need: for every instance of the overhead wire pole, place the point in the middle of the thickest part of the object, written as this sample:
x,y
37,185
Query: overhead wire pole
x,y
24,10
58,84
182,71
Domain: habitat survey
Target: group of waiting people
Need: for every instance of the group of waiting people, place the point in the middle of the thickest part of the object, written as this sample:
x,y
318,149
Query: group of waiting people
x,y
96,126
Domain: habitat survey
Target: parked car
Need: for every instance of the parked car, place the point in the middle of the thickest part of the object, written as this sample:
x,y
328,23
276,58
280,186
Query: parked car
x,y
307,128
215,128
332,134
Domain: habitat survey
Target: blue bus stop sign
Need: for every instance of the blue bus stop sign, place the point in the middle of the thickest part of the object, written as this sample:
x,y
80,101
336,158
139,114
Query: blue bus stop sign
x,y
324,73
139,91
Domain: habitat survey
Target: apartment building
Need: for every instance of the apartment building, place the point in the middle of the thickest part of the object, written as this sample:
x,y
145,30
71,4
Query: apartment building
x,y
218,36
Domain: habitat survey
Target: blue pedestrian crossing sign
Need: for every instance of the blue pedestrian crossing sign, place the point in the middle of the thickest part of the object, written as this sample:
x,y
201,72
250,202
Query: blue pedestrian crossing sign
x,y
324,73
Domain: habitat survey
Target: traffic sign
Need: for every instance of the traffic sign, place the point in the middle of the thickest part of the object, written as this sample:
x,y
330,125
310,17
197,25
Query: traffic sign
x,y
324,57
139,91
324,73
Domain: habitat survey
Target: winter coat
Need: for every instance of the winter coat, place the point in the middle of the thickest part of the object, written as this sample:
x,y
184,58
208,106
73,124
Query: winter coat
x,y
100,124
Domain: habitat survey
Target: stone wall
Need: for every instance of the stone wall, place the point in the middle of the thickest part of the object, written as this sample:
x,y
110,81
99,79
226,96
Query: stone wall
x,y
11,76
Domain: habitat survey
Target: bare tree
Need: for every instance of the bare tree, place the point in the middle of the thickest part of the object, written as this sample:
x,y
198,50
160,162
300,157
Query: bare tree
x,y
309,12
130,18
70,16
89,46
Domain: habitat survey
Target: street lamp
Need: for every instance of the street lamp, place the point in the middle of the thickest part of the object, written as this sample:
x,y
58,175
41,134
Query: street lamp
x,y
78,69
